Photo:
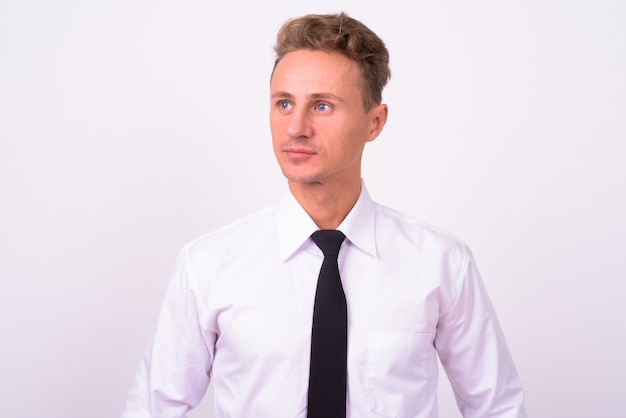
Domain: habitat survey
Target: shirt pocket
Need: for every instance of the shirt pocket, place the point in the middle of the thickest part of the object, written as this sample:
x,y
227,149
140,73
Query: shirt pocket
x,y
398,367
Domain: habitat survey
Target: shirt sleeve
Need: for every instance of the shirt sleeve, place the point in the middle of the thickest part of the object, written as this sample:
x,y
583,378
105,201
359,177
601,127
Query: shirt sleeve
x,y
474,354
174,373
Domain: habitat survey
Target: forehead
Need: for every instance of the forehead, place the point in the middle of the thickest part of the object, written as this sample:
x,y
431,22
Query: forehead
x,y
306,70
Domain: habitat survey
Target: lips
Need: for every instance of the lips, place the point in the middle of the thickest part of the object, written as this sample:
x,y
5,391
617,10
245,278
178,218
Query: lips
x,y
299,152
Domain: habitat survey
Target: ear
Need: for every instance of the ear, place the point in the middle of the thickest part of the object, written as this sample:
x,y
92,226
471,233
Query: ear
x,y
377,117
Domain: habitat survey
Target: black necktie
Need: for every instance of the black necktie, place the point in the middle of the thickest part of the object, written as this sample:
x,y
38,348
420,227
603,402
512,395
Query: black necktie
x,y
329,335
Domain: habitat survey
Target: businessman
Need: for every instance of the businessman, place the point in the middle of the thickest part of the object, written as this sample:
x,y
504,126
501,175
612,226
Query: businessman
x,y
326,304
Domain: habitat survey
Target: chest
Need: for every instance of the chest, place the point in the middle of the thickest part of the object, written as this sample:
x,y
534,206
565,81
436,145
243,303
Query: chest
x,y
269,304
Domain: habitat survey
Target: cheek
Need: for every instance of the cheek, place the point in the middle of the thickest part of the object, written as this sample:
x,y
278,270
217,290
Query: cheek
x,y
351,139
273,123
275,129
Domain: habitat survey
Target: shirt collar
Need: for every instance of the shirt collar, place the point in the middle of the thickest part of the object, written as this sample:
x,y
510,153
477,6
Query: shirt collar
x,y
295,226
359,225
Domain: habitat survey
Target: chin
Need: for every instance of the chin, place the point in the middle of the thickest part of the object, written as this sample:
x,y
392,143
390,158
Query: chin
x,y
302,178
297,175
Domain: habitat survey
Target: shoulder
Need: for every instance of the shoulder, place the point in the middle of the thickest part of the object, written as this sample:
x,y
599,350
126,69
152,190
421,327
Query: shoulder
x,y
400,222
414,235
234,238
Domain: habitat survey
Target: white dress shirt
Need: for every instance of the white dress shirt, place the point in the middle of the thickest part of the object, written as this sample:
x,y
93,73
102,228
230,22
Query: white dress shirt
x,y
239,307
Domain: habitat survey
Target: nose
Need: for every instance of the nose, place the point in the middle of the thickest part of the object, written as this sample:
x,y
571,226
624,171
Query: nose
x,y
299,125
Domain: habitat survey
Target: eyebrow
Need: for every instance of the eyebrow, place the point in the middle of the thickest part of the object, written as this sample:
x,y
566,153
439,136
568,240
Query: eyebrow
x,y
312,96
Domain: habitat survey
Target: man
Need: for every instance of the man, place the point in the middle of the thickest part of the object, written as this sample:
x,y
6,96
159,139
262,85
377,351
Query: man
x,y
245,309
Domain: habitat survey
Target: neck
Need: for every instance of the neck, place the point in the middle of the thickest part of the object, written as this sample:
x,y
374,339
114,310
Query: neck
x,y
327,204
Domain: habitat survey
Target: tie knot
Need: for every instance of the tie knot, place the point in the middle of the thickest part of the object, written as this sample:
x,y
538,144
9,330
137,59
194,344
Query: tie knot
x,y
328,240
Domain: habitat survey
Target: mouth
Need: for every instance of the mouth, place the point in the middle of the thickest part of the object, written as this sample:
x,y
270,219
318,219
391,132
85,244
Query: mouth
x,y
299,152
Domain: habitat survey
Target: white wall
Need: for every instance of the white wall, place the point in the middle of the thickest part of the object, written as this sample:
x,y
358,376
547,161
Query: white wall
x,y
129,127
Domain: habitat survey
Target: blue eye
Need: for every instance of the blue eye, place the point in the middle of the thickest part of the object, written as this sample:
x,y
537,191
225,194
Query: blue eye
x,y
284,105
322,107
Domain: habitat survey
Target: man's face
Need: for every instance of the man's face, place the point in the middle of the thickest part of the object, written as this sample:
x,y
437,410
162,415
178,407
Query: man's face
x,y
318,122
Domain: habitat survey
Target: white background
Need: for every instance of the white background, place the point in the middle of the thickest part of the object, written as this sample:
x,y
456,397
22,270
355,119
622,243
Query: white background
x,y
128,128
